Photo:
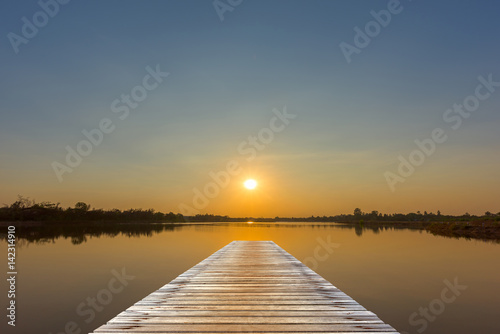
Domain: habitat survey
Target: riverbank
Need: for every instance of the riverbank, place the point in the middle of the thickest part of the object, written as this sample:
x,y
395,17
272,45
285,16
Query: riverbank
x,y
78,231
484,230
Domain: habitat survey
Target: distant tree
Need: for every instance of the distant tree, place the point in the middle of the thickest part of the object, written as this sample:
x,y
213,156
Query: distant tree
x,y
358,212
82,206
374,215
48,205
487,213
439,213
22,203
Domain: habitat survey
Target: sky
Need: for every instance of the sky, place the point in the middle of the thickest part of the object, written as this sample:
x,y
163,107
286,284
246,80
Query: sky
x,y
321,102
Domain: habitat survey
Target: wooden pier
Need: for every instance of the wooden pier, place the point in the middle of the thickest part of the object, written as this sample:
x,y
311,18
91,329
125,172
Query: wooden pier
x,y
247,287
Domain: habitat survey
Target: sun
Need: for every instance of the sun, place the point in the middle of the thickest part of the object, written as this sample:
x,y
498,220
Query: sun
x,y
250,184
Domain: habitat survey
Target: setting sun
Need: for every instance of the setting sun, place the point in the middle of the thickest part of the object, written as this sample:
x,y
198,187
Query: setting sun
x,y
250,184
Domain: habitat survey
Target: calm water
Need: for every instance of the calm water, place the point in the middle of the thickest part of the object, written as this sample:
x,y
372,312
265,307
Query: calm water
x,y
392,272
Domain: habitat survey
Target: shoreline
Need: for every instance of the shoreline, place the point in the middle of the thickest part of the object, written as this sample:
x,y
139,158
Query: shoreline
x,y
482,230
488,230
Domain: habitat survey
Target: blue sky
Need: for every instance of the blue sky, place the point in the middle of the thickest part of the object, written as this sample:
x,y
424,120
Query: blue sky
x,y
353,120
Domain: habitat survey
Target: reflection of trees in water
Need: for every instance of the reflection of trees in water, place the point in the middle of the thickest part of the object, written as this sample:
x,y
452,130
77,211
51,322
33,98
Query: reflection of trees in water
x,y
376,228
78,239
80,232
359,230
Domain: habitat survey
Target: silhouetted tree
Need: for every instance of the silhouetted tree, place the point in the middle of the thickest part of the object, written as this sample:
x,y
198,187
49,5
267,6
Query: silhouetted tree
x,y
358,213
82,206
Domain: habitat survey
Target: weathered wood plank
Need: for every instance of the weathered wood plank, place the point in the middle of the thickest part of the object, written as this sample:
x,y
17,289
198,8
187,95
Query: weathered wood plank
x,y
199,328
244,320
247,286
250,307
325,332
245,302
234,313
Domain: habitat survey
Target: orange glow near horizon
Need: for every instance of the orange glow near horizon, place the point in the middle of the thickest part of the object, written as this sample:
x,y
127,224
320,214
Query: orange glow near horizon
x,y
285,189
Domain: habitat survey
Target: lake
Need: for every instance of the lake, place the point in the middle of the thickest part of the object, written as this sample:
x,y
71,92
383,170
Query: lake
x,y
414,281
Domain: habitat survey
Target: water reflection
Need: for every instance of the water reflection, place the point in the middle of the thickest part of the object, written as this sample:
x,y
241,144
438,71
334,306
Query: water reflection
x,y
79,233
391,269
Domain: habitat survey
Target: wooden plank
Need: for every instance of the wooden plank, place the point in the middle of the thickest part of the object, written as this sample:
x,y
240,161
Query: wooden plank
x,y
247,286
250,307
199,328
246,302
325,332
243,320
233,313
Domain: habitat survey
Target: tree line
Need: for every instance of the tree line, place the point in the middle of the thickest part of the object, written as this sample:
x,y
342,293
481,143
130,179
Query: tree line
x,y
25,209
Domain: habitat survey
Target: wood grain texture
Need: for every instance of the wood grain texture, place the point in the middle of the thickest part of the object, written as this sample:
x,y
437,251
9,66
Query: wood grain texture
x,y
247,287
